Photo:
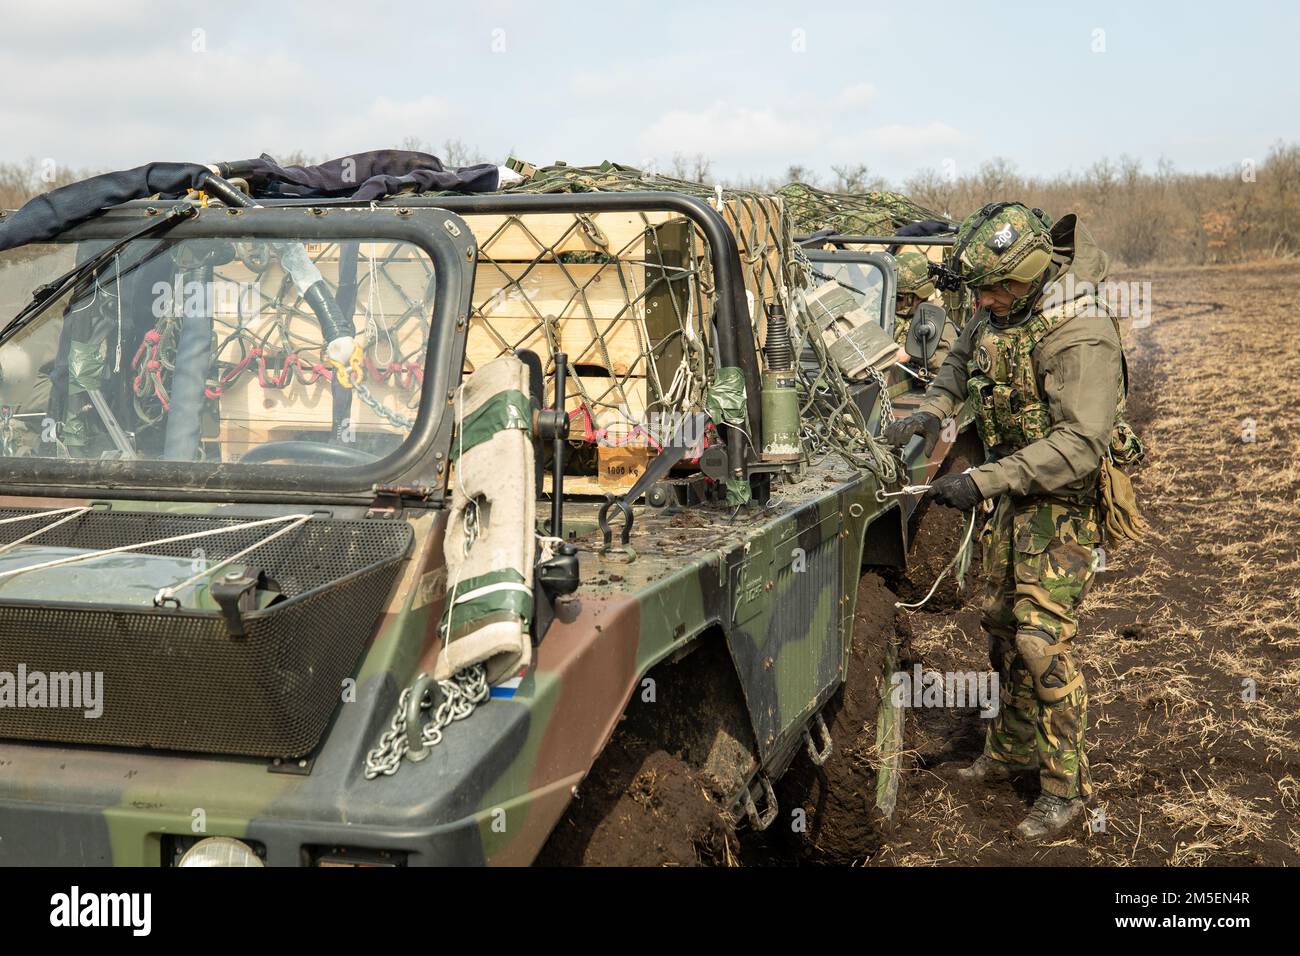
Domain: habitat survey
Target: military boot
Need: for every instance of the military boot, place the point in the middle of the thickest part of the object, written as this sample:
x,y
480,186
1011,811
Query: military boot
x,y
988,769
1048,815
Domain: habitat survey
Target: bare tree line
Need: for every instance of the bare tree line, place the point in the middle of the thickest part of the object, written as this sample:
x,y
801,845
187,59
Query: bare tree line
x,y
1143,216
1140,215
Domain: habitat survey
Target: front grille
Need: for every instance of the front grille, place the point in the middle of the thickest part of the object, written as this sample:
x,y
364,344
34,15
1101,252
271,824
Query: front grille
x,y
177,679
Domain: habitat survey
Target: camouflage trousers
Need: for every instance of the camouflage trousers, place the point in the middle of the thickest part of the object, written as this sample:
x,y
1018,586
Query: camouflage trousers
x,y
1038,565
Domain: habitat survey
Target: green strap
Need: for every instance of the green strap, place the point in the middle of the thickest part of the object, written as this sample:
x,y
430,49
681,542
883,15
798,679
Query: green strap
x,y
505,410
468,609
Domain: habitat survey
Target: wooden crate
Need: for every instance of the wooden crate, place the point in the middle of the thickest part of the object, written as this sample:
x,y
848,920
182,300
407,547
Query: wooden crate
x,y
519,283
512,302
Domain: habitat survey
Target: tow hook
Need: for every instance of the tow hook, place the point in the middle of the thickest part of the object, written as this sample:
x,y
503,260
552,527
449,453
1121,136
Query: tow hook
x,y
424,684
818,756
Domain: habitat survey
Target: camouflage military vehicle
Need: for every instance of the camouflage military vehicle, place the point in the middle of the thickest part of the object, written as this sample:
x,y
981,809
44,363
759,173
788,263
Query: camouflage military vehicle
x,y
342,531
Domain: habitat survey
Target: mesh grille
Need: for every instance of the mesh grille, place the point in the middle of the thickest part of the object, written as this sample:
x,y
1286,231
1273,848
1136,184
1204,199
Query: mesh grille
x,y
175,679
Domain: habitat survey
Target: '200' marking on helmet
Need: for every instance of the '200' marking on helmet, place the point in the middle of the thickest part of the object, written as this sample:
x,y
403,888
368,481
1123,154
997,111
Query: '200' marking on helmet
x,y
1003,238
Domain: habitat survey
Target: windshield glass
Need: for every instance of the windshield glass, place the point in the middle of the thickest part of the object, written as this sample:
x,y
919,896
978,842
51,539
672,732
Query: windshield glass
x,y
863,280
212,350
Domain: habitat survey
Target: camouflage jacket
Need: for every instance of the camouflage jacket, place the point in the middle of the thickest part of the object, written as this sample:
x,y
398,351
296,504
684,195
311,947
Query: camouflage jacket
x,y
1076,372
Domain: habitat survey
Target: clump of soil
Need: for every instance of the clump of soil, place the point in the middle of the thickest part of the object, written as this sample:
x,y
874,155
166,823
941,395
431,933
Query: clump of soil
x,y
654,796
690,518
639,806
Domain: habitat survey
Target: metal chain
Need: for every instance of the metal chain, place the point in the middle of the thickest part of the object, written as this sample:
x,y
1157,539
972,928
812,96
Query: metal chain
x,y
886,403
471,528
466,690
380,409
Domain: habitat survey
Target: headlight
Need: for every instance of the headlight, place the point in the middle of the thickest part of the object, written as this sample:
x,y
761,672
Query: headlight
x,y
220,851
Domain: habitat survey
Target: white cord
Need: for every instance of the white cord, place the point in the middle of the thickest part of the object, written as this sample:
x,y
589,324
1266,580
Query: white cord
x,y
68,513
373,311
970,528
45,514
169,593
905,490
74,559
902,367
548,544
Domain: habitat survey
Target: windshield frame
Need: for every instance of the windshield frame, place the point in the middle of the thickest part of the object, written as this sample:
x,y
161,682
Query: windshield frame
x,y
442,236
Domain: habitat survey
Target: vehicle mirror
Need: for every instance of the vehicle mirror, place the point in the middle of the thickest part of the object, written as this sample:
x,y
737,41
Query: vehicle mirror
x,y
924,332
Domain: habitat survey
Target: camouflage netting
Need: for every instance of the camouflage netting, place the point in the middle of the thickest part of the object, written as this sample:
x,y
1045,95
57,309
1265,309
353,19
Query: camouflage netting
x,y
852,214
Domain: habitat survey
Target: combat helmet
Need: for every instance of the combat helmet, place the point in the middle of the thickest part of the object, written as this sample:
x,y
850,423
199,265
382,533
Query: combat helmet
x,y
1005,241
913,272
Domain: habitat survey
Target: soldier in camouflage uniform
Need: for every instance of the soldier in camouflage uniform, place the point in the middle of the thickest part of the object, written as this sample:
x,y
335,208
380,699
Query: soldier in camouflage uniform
x,y
1045,377
914,287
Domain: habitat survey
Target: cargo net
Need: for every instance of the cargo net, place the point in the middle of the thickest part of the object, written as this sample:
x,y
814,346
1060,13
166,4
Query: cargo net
x,y
627,297
758,221
390,286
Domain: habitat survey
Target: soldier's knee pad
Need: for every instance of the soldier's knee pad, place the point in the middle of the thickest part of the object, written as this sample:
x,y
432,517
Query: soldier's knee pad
x,y
1049,664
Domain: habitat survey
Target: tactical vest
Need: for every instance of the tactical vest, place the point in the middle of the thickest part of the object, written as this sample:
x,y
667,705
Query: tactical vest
x,y
1010,411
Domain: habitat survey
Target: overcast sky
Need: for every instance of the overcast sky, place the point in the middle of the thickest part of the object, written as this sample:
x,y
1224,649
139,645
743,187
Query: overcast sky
x,y
755,86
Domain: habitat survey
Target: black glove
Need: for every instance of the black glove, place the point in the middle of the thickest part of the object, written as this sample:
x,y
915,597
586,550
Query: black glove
x,y
956,491
918,423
